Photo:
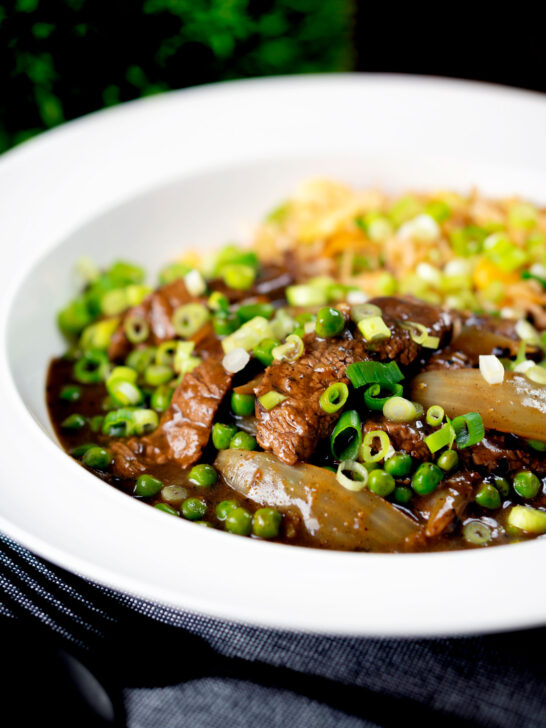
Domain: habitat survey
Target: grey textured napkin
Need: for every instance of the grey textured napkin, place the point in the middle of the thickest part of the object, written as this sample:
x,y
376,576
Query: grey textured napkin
x,y
178,669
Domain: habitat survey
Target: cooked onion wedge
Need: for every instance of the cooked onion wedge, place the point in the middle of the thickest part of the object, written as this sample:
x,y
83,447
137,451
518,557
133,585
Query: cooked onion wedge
x,y
474,341
334,517
517,405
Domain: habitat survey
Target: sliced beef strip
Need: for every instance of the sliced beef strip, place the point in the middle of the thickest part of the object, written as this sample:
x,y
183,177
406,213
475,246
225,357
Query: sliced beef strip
x,y
184,429
446,505
157,309
293,428
504,453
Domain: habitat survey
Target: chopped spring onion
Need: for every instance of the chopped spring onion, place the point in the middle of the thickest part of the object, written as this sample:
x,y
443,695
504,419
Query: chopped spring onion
x,y
346,438
306,294
527,519
419,334
373,328
119,423
375,398
140,359
422,228
364,310
114,302
400,409
248,311
442,437
166,352
291,350
271,399
195,283
373,372
536,374
333,398
136,328
92,367
282,325
248,335
87,269
523,366
98,335
172,272
384,446
157,374
189,318
238,276
469,429
218,302
526,331
235,360
476,533
491,369
144,421
354,484
183,362
356,296
126,373
435,415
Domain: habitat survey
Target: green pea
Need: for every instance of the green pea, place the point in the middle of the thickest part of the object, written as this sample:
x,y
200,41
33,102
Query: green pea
x,y
381,482
242,404
502,485
249,310
330,322
98,458
166,509
488,496
80,450
194,509
448,460
146,486
161,398
526,484
264,351
239,521
74,422
399,465
537,445
203,475
266,523
224,508
426,478
243,441
402,494
157,374
222,435
71,393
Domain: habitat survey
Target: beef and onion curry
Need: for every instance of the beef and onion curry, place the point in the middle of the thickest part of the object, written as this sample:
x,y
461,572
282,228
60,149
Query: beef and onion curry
x,y
368,375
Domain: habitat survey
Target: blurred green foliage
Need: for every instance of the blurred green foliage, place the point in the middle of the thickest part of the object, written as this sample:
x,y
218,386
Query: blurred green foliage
x,y
63,58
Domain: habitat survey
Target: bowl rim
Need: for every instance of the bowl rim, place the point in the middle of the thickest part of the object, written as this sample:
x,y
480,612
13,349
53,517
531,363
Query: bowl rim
x,y
499,576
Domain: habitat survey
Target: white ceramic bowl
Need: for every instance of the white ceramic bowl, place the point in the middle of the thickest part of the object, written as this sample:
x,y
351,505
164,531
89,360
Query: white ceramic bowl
x,y
195,168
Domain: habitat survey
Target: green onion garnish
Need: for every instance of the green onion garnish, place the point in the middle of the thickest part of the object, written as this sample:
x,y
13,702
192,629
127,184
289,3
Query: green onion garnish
x,y
373,328
373,372
291,350
361,475
441,438
400,409
469,429
333,398
188,319
435,415
136,328
373,398
271,399
368,443
346,438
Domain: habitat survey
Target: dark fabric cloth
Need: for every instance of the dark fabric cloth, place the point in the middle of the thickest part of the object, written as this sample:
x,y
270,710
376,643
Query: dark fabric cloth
x,y
173,668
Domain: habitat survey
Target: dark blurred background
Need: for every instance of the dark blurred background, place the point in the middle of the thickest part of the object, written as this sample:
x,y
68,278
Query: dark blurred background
x,y
60,59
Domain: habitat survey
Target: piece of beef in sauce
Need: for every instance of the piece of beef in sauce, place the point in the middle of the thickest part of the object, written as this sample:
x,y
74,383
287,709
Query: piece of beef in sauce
x,y
293,428
157,310
184,428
